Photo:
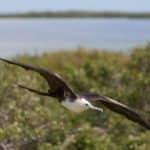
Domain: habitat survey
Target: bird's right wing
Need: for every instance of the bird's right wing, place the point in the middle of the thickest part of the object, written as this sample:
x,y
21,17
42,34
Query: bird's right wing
x,y
118,107
54,80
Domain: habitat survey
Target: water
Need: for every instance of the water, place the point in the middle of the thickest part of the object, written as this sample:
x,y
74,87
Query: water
x,y
37,35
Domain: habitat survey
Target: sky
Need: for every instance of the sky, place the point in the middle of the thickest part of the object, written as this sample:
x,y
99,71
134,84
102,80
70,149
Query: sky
x,y
93,5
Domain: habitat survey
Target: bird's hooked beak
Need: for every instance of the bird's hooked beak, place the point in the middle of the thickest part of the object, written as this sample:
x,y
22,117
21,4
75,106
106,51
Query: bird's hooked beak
x,y
95,108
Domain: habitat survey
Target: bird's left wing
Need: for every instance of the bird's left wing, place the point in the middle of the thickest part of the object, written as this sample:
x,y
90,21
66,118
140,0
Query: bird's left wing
x,y
54,81
118,107
33,90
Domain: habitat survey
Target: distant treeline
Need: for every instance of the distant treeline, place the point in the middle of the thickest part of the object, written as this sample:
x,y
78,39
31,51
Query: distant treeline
x,y
76,14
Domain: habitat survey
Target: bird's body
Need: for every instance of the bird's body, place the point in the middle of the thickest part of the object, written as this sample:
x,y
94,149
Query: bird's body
x,y
79,104
75,105
59,90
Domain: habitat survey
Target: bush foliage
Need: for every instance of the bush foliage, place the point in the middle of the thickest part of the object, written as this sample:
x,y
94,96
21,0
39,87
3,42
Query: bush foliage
x,y
30,122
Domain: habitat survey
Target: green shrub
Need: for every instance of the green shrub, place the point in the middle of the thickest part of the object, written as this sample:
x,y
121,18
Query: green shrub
x,y
28,121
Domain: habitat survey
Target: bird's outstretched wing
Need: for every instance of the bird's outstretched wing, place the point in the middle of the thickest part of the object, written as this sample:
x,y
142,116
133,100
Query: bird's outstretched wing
x,y
54,81
118,107
33,90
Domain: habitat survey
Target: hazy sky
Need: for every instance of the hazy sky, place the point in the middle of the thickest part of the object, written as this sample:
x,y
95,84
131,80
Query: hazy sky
x,y
100,5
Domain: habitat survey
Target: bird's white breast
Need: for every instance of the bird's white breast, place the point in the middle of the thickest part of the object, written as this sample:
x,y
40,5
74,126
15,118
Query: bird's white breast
x,y
76,105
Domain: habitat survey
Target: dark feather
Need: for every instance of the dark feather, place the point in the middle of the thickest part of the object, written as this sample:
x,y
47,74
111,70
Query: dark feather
x,y
34,91
118,108
55,82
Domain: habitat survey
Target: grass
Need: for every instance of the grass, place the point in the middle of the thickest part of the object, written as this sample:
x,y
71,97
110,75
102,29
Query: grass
x,y
28,121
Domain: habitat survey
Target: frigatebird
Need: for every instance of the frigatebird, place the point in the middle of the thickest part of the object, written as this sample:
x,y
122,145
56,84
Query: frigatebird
x,y
60,90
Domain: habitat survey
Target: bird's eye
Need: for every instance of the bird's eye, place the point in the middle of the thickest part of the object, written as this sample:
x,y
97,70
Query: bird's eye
x,y
86,104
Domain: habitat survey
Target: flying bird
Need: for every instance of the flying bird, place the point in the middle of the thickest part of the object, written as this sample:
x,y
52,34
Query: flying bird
x,y
60,90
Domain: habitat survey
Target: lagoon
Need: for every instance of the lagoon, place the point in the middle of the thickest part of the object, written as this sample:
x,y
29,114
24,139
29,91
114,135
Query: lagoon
x,y
19,36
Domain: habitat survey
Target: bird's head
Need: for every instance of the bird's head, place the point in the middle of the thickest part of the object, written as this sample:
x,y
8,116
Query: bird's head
x,y
88,105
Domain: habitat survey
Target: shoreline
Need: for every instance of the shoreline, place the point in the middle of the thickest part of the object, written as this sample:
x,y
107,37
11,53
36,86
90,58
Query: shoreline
x,y
77,14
